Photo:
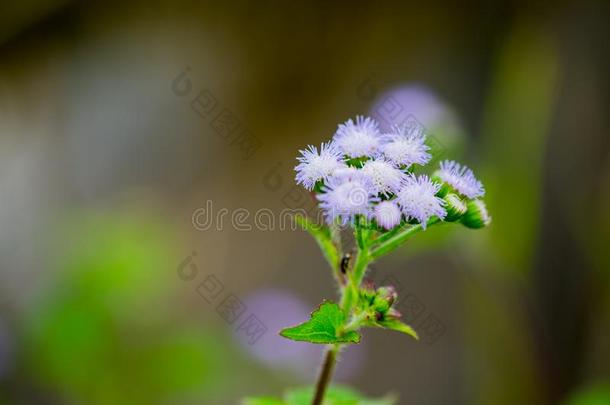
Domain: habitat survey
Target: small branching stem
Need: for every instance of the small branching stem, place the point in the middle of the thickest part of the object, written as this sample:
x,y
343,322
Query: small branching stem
x,y
350,291
356,322
398,239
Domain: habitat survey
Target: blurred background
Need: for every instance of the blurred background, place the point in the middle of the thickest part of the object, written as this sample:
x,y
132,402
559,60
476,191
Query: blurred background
x,y
128,128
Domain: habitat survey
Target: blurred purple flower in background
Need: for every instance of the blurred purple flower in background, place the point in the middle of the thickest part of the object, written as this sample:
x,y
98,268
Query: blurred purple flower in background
x,y
394,105
277,310
415,103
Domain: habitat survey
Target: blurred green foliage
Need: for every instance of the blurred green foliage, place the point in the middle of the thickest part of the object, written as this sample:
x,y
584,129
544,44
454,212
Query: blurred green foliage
x,y
595,394
103,332
516,127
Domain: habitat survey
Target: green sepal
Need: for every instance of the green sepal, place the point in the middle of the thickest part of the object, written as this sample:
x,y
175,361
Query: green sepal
x,y
477,216
324,327
444,187
455,207
398,326
357,162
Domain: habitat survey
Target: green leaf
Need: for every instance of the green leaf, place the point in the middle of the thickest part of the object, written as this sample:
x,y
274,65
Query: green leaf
x,y
263,401
323,236
323,327
399,326
336,395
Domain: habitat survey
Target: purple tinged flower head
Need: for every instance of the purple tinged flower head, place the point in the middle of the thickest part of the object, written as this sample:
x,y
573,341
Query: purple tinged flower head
x,y
387,214
461,179
315,166
384,177
404,148
348,173
345,197
358,139
417,199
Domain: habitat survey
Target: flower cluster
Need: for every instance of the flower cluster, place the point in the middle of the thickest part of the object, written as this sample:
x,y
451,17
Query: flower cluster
x,y
363,172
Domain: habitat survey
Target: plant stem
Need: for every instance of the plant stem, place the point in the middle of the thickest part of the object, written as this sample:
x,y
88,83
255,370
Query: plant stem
x,y
350,290
349,295
359,234
360,266
398,239
389,234
325,374
355,322
348,298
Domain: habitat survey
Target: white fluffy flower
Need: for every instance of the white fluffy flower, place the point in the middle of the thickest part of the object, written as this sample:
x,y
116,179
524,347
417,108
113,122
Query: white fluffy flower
x,y
384,177
348,173
404,148
417,199
387,214
461,179
343,199
316,166
358,139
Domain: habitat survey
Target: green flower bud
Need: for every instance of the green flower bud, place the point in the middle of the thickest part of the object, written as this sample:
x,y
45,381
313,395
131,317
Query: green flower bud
x,y
387,293
393,314
367,291
477,216
455,207
445,188
385,297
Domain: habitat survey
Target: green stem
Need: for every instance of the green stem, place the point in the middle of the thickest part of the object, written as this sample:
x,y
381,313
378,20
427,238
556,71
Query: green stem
x,y
350,290
356,322
359,234
387,235
398,239
348,296
362,261
325,374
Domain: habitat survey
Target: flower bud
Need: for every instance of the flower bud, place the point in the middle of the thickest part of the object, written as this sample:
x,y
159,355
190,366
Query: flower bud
x,y
393,314
445,188
387,315
385,297
388,294
367,290
476,216
455,207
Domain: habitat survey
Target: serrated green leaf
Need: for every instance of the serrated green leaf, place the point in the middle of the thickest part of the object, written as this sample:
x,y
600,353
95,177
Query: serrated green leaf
x,y
323,327
399,326
323,236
